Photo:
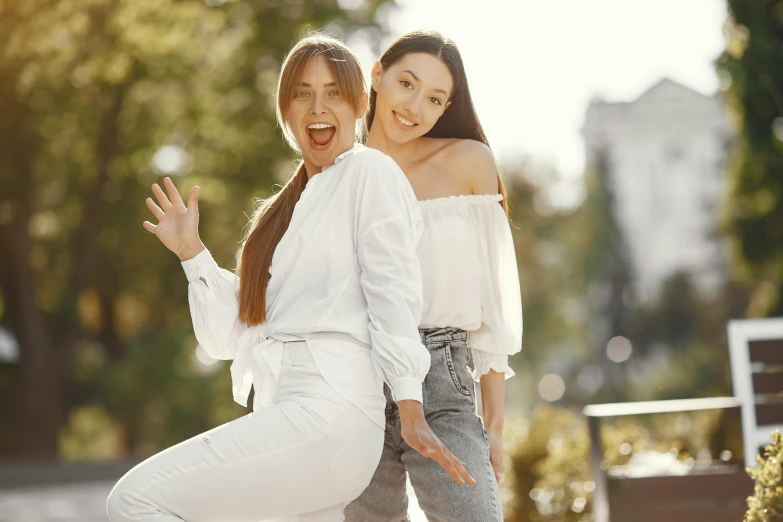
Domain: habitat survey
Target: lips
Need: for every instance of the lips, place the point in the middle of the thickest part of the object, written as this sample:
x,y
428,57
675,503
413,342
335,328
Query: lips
x,y
320,139
402,125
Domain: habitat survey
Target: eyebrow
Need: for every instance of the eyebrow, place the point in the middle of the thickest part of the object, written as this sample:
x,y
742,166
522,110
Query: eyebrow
x,y
418,80
305,84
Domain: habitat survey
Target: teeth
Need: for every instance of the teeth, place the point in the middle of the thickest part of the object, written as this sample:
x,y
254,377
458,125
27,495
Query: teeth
x,y
404,121
320,126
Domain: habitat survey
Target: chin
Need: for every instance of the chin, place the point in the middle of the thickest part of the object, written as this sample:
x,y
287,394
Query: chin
x,y
321,158
402,138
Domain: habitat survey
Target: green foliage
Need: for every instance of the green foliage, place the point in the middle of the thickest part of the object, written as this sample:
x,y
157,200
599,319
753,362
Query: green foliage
x,y
550,245
683,332
766,505
549,468
752,65
578,292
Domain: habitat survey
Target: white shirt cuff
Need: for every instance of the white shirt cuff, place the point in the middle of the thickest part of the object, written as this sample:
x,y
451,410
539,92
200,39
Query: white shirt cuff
x,y
483,362
203,263
406,388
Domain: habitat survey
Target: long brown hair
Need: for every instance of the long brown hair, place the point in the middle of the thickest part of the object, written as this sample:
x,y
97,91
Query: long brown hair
x,y
272,217
460,119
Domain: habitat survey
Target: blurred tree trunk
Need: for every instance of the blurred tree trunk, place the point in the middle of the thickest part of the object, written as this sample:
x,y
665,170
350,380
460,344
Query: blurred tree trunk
x,y
85,251
614,278
40,402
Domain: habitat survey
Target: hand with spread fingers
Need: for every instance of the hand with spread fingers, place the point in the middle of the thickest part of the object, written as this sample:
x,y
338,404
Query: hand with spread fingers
x,y
419,436
177,226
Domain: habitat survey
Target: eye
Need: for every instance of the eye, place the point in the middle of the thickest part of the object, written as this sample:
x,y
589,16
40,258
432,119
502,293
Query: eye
x,y
435,101
406,84
334,93
302,94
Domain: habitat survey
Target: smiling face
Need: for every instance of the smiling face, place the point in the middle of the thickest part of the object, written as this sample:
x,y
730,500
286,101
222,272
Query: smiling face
x,y
321,118
412,94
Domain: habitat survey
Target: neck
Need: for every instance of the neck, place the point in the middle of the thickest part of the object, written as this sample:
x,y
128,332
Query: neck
x,y
311,170
401,153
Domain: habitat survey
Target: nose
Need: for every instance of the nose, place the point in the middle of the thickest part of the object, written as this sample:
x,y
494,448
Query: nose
x,y
319,105
414,104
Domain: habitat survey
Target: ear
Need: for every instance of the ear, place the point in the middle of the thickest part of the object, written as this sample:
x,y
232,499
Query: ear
x,y
364,102
447,105
375,74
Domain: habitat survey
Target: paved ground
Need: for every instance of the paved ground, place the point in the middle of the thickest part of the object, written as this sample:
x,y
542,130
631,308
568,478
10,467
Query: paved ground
x,y
83,502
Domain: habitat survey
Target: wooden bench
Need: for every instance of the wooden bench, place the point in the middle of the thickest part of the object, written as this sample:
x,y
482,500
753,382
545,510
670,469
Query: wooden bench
x,y
756,351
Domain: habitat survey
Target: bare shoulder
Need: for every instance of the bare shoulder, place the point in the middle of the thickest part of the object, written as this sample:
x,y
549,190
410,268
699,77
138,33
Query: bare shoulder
x,y
473,162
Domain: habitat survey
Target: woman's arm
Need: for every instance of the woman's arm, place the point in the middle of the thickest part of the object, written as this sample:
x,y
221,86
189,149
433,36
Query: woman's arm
x,y
388,230
493,392
500,334
214,306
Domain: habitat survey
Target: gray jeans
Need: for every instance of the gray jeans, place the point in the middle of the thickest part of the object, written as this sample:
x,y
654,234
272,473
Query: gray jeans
x,y
449,406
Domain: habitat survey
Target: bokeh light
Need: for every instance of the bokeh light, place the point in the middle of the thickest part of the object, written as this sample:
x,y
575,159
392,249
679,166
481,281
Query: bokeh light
x,y
170,160
619,349
551,387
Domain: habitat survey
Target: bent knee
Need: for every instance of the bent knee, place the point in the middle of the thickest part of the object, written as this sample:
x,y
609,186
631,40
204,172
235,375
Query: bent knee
x,y
117,505
124,504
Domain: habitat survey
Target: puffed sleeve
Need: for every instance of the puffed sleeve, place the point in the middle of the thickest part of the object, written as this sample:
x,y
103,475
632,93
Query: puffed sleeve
x,y
500,334
214,306
388,230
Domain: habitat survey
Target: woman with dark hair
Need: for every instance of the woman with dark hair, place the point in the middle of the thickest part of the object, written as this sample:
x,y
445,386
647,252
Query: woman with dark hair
x,y
324,310
421,114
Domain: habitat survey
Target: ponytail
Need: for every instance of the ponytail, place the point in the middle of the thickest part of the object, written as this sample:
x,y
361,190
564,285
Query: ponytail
x,y
267,227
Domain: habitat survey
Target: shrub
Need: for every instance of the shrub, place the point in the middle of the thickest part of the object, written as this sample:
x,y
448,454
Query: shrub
x,y
766,504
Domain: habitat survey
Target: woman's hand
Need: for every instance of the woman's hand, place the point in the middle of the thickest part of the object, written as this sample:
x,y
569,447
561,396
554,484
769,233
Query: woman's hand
x,y
496,452
419,436
177,226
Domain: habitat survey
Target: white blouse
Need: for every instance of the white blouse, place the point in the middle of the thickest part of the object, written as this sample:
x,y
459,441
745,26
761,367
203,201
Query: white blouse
x,y
347,264
470,277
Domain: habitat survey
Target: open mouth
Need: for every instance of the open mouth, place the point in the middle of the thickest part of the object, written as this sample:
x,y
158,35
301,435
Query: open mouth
x,y
321,135
404,122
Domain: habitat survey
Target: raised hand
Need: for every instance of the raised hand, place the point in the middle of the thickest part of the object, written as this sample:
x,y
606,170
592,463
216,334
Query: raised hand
x,y
177,226
419,436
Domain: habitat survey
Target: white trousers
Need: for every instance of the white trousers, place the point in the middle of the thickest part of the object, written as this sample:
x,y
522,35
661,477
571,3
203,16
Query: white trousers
x,y
301,460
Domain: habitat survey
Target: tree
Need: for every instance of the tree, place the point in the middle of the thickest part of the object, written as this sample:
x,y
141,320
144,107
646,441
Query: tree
x,y
753,66
575,274
609,274
548,244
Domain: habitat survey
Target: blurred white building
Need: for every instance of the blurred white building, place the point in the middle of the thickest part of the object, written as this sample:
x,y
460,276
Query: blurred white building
x,y
666,152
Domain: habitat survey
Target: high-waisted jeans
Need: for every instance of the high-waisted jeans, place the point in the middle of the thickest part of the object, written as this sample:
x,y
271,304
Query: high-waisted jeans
x,y
449,406
300,460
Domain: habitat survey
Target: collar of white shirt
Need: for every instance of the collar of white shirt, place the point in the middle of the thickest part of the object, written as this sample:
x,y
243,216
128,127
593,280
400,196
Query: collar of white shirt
x,y
338,159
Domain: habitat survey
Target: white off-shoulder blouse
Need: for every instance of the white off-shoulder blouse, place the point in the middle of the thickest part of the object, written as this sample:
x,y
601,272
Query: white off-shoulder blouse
x,y
470,277
345,270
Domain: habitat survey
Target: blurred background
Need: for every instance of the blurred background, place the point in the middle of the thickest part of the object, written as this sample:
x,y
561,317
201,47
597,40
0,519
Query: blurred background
x,y
641,142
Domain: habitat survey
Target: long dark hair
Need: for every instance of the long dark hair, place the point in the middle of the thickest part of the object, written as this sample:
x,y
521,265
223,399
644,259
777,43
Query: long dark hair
x,y
271,219
460,119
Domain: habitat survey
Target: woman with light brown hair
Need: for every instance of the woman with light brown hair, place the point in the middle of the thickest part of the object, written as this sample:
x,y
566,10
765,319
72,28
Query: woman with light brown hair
x,y
324,311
